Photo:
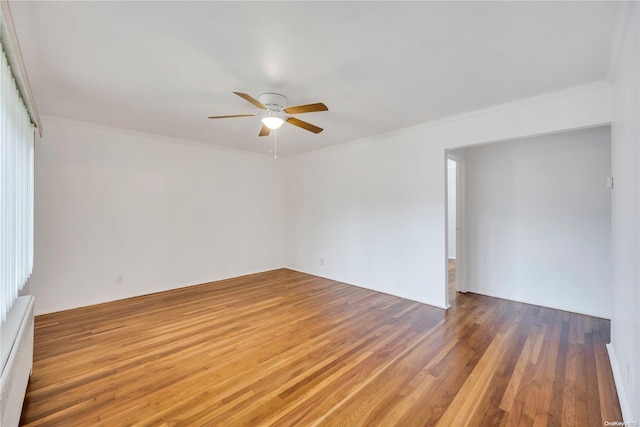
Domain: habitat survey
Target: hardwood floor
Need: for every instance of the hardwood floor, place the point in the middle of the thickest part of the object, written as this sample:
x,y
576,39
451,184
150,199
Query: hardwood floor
x,y
451,267
285,348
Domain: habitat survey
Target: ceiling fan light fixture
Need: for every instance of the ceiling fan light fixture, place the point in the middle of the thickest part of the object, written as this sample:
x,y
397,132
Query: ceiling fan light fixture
x,y
275,113
272,121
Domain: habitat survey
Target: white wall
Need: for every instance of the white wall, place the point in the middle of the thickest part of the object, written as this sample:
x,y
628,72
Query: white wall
x,y
159,213
451,208
362,209
375,209
625,321
539,220
162,214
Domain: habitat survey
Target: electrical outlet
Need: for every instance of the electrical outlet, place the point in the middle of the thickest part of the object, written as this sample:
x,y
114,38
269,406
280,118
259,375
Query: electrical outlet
x,y
118,279
321,261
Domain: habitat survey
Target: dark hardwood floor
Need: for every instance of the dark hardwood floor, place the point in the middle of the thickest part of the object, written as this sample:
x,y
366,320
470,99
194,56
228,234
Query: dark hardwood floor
x,y
285,348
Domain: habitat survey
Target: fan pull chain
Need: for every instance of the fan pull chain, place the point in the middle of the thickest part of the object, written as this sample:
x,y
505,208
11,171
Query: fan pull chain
x,y
274,137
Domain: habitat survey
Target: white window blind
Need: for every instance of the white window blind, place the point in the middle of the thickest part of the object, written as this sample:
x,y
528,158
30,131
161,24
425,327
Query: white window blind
x,y
16,190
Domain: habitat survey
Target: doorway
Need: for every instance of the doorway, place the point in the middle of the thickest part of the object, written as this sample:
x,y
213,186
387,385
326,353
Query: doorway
x,y
454,229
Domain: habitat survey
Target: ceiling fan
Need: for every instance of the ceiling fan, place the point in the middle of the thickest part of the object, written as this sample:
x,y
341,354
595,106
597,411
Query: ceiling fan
x,y
276,113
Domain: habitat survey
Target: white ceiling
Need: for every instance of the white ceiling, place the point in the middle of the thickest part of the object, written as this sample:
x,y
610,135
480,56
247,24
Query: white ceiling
x,y
163,67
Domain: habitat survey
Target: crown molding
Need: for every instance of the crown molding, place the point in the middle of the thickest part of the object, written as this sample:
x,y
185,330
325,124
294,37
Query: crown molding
x,y
539,99
148,136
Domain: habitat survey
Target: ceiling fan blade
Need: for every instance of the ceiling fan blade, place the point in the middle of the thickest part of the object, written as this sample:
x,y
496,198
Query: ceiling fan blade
x,y
304,125
251,100
233,115
264,131
307,108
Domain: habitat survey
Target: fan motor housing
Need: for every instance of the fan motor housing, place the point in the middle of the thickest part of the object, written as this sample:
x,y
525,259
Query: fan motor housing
x,y
273,101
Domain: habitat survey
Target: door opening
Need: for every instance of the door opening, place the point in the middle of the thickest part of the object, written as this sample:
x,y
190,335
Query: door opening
x,y
452,226
455,239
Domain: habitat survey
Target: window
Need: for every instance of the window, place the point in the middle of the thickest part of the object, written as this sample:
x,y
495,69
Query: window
x,y
16,189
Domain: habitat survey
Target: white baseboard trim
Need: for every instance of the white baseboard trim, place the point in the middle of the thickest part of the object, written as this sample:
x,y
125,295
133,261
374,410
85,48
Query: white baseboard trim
x,y
617,378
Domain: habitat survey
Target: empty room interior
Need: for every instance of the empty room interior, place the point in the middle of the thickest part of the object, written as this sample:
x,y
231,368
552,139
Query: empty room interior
x,y
323,213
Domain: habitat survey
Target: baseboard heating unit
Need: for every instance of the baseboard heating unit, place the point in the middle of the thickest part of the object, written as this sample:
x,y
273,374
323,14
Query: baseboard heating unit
x,y
16,341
